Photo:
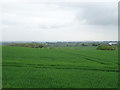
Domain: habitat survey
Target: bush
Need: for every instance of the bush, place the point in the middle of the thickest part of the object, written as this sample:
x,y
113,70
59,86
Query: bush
x,y
106,47
84,44
31,45
94,44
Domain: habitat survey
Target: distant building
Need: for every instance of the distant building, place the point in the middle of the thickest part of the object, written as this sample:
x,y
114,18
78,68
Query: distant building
x,y
112,43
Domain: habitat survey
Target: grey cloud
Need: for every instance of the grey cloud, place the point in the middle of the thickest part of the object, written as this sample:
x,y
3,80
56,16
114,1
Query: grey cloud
x,y
59,26
100,15
53,26
7,22
96,13
27,20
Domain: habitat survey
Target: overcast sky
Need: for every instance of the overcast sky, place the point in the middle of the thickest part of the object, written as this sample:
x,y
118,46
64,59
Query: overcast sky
x,y
59,21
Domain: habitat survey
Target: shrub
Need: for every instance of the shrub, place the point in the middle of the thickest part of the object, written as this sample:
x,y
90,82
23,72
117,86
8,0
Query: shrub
x,y
94,44
84,44
106,47
31,45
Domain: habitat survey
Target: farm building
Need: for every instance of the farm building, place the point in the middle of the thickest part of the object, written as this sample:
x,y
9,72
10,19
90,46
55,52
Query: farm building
x,y
112,43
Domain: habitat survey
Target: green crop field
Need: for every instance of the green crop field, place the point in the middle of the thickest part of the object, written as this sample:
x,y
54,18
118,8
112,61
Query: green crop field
x,y
73,67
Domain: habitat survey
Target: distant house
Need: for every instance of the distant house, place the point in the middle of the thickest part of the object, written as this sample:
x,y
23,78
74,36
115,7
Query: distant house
x,y
112,43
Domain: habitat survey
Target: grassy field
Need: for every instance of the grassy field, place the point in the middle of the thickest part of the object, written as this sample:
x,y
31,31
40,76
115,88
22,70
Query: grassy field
x,y
80,67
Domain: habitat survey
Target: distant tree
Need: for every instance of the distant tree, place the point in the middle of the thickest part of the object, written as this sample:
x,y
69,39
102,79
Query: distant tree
x,y
31,45
84,44
67,45
41,45
94,44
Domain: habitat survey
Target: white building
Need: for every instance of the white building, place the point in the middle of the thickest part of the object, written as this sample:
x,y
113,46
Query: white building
x,y
112,43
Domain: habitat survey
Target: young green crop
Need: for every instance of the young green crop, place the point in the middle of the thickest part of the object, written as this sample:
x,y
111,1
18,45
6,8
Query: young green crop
x,y
72,67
